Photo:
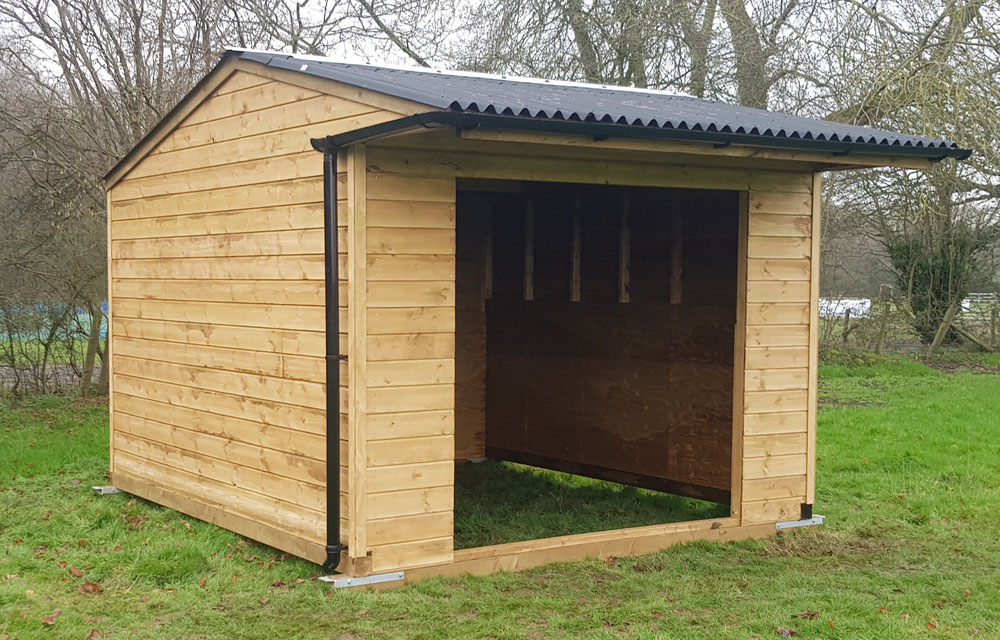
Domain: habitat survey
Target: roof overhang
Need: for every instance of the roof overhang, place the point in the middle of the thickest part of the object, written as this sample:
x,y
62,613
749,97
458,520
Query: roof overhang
x,y
834,153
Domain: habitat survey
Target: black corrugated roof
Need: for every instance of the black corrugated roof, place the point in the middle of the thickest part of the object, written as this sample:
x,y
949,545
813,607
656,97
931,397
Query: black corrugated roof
x,y
633,108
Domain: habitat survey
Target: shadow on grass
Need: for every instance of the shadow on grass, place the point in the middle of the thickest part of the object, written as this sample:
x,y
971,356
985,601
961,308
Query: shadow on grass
x,y
498,502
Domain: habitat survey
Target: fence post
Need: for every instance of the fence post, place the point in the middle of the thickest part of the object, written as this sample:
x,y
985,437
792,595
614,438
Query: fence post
x,y
994,320
847,324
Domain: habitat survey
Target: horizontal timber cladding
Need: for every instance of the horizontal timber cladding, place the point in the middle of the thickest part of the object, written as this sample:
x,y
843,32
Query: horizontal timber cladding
x,y
218,330
780,347
578,376
408,401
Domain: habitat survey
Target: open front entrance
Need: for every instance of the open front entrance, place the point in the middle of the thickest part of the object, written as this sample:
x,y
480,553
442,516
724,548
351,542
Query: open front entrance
x,y
595,337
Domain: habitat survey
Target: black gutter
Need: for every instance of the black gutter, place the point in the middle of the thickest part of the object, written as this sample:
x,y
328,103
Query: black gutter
x,y
333,546
604,130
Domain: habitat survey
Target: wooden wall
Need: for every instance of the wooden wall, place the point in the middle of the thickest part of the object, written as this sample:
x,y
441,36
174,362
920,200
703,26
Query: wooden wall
x,y
218,386
407,424
782,267
642,386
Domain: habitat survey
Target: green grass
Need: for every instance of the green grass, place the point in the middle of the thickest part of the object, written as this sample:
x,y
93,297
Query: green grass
x,y
497,502
908,476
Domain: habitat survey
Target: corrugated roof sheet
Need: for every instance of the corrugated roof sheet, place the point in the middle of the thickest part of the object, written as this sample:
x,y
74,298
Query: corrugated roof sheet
x,y
540,99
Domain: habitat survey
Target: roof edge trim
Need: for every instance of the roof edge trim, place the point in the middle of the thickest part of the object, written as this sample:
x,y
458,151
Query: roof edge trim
x,y
603,130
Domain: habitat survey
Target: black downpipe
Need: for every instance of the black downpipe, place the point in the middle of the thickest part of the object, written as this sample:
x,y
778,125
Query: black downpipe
x,y
333,357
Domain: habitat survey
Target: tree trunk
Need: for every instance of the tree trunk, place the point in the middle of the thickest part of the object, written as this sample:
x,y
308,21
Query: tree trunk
x,y
93,345
942,331
584,44
751,72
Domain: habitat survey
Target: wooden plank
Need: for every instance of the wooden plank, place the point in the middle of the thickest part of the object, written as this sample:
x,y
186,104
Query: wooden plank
x,y
412,554
395,241
414,346
486,251
302,216
480,161
774,466
676,253
618,543
388,321
427,397
236,198
269,292
411,476
307,343
411,214
777,225
396,530
774,445
777,357
236,82
411,372
411,268
782,335
777,291
774,488
776,379
775,401
264,243
575,250
303,267
425,293
812,411
411,424
781,202
410,502
406,187
411,451
624,251
778,269
357,225
739,363
784,248
773,510
783,422
777,313
295,317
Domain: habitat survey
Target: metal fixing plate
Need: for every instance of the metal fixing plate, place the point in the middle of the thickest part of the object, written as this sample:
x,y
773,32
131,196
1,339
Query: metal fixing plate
x,y
814,521
342,582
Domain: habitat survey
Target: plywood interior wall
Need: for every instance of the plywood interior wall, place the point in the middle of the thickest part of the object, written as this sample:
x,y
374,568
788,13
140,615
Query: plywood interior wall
x,y
574,374
217,338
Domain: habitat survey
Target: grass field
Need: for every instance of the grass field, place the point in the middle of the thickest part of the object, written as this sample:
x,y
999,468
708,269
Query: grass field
x,y
908,476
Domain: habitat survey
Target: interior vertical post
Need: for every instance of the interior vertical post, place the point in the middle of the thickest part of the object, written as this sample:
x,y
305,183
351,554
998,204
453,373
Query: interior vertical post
x,y
676,249
529,250
574,282
624,250
487,253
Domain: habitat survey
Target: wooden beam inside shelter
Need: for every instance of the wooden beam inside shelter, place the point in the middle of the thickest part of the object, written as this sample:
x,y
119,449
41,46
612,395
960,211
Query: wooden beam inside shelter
x,y
574,282
624,250
529,250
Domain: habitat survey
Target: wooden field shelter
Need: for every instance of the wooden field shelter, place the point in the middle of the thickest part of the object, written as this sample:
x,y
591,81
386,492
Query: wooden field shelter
x,y
612,282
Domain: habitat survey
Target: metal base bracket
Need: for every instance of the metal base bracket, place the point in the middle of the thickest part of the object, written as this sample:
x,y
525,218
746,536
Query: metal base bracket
x,y
814,521
107,491
342,582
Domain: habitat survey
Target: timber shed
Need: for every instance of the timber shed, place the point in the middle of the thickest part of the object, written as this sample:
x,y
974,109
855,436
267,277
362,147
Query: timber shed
x,y
610,282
